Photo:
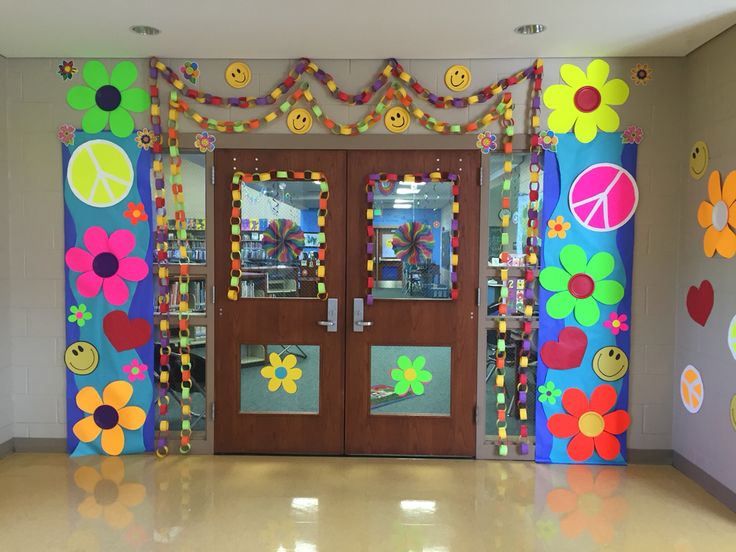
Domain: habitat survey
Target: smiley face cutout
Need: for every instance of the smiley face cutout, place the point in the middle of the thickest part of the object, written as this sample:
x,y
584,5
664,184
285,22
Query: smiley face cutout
x,y
237,74
299,121
457,78
81,358
698,160
397,120
610,363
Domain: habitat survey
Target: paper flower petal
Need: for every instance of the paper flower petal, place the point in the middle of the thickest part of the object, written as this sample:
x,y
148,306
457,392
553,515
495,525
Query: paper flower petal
x,y
131,417
726,246
615,92
80,97
95,74
573,259
123,75
603,398
560,305
86,430
600,265
608,292
597,73
94,120
607,446
572,75
117,394
88,399
705,214
135,100
580,448
587,312
113,440
714,187
121,123
553,278
561,120
617,422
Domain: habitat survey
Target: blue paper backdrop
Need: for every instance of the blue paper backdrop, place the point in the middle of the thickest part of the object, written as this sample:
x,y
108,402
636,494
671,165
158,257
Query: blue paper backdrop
x,y
78,217
560,170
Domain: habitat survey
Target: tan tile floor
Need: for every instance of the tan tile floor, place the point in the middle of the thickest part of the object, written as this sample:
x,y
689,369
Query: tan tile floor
x,y
52,502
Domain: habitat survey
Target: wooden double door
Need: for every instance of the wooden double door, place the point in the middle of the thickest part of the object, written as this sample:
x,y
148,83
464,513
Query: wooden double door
x,y
319,351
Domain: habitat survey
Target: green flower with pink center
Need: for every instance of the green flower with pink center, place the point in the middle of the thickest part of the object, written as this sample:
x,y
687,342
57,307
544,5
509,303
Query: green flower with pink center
x,y
79,315
135,370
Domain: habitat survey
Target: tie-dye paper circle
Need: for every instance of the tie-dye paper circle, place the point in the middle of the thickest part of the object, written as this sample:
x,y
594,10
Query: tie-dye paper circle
x,y
413,242
283,240
604,197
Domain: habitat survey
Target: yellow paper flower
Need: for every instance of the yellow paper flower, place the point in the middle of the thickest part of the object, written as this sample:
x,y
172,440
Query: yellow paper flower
x,y
641,74
281,373
585,101
108,496
108,415
718,216
558,228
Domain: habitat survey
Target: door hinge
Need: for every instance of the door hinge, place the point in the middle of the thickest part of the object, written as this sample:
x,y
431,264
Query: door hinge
x,y
475,414
480,175
477,297
212,411
212,181
213,294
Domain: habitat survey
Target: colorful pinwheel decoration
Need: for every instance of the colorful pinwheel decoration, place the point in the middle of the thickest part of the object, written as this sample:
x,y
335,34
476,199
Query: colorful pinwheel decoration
x,y
283,240
413,242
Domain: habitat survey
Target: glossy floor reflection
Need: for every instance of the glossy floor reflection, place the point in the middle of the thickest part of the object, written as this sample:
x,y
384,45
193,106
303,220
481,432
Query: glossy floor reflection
x,y
52,502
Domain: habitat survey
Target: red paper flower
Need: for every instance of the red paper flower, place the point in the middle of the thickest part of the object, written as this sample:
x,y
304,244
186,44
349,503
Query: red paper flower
x,y
590,424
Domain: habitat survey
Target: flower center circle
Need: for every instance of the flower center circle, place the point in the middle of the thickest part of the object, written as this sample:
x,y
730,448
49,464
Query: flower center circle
x,y
410,374
78,315
134,370
587,99
581,286
105,265
558,227
641,73
280,372
106,492
720,215
108,98
106,417
591,424
616,323
136,213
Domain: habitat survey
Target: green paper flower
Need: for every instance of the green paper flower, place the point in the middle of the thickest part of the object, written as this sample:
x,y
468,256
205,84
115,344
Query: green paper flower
x,y
108,98
79,315
410,375
548,393
581,285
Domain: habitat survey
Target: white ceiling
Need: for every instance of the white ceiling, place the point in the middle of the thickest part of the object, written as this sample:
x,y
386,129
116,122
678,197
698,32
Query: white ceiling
x,y
323,29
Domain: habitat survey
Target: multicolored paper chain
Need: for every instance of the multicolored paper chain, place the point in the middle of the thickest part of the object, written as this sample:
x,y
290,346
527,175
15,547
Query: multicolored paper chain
x,y
180,226
239,177
507,124
377,178
162,244
531,249
395,94
304,65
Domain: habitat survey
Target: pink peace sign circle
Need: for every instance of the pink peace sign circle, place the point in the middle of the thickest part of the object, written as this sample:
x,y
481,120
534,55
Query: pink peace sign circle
x,y
603,197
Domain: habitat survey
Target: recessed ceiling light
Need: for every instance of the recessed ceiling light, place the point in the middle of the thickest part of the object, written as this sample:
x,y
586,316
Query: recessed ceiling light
x,y
145,30
532,28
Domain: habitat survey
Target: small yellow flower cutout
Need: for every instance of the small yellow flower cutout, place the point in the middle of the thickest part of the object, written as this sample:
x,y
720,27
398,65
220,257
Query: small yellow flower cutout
x,y
281,373
558,228
584,101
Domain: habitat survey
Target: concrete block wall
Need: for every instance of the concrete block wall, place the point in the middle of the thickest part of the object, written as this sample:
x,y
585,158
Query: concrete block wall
x,y
35,100
6,388
708,438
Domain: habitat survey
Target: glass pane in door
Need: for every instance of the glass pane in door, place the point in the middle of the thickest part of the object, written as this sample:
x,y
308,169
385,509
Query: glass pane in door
x,y
412,240
410,380
279,378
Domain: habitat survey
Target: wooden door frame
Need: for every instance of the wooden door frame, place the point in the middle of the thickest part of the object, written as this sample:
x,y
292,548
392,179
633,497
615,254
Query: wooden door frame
x,y
521,142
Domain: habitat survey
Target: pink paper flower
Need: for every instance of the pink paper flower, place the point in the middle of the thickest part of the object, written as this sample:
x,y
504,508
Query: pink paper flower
x,y
105,264
135,370
65,134
632,135
617,323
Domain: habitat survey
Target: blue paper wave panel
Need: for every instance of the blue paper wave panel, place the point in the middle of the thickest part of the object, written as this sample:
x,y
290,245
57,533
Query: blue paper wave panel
x,y
107,266
580,434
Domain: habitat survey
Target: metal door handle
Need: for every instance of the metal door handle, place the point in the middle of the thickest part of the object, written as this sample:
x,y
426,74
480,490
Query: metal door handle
x,y
331,322
358,322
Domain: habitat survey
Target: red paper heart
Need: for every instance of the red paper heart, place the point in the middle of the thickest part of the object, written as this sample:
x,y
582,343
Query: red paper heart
x,y
567,352
125,333
700,302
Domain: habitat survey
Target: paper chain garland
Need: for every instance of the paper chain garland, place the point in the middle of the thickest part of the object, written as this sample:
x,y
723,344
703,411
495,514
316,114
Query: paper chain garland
x,y
373,180
395,93
233,292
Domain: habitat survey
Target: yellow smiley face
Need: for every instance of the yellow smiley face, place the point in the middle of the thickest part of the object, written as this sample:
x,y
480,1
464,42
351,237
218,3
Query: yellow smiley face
x,y
457,78
237,74
299,121
610,363
81,358
396,119
698,160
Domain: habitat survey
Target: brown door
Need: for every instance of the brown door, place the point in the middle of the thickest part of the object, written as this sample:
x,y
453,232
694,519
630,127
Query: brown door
x,y
405,384
279,373
411,363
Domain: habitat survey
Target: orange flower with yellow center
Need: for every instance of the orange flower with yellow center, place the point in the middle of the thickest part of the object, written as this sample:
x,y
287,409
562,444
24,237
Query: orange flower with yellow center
x,y
718,216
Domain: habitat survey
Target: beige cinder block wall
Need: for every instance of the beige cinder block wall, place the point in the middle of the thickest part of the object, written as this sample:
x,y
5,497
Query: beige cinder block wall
x,y
35,101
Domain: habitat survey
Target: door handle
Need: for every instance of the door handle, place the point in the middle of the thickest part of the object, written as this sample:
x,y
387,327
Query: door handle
x,y
358,312
331,322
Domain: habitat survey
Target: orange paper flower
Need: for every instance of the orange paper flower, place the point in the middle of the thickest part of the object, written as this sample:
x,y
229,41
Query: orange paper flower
x,y
718,216
108,415
136,212
558,228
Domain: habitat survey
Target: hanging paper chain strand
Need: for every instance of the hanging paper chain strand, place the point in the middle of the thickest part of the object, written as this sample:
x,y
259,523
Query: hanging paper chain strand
x,y
396,93
236,220
304,65
507,124
162,230
180,225
530,260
